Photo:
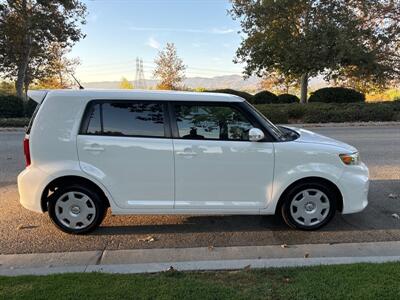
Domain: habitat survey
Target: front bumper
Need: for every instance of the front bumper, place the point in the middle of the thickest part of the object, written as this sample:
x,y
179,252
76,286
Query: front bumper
x,y
31,183
354,185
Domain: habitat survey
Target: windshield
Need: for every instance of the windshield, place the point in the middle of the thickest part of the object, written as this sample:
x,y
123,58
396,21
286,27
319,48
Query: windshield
x,y
275,130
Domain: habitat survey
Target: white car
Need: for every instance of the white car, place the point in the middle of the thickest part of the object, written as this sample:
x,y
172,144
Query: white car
x,y
153,152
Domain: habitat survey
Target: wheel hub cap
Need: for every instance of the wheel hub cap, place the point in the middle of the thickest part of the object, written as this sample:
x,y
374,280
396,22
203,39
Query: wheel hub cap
x,y
75,210
310,207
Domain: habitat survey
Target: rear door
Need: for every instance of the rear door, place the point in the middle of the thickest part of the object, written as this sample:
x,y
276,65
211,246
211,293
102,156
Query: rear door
x,y
126,145
216,166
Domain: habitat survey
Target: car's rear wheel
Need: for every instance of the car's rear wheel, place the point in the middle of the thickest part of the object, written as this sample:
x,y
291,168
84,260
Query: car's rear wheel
x,y
309,206
76,209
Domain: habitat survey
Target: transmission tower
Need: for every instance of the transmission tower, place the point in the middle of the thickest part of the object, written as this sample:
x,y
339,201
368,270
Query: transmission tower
x,y
140,82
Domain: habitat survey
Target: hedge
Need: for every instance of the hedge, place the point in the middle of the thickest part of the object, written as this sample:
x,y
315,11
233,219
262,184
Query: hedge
x,y
336,95
11,107
300,113
265,97
288,98
14,122
335,113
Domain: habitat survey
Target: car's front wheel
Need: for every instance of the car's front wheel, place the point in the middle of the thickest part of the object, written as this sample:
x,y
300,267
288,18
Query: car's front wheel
x,y
309,206
76,209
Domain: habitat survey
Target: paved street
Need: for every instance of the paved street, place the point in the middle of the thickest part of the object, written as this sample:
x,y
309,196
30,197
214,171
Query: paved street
x,y
22,231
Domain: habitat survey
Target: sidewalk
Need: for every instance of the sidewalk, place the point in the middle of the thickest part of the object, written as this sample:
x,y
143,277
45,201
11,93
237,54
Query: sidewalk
x,y
195,259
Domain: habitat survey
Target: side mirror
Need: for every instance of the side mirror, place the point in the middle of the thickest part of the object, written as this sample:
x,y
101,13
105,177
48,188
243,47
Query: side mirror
x,y
256,135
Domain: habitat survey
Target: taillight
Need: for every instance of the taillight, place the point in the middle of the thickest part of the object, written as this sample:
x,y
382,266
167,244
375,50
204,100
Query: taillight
x,y
27,151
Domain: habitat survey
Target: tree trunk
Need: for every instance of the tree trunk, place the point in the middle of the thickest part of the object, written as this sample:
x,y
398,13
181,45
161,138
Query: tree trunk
x,y
25,55
304,87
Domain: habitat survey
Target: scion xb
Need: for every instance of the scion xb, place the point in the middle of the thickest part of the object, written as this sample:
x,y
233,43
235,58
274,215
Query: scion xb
x,y
154,152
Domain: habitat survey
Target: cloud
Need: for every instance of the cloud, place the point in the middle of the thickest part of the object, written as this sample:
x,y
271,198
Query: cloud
x,y
153,43
185,30
223,31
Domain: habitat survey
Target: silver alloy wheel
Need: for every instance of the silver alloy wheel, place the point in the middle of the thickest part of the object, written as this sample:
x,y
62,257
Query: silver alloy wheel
x,y
310,207
75,210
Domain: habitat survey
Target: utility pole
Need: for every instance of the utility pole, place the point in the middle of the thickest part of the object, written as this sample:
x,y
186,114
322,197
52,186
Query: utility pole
x,y
140,82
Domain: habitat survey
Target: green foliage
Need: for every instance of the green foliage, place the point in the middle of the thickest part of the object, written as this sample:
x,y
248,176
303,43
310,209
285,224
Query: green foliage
x,y
11,107
331,113
328,37
242,94
288,98
29,28
30,107
336,95
14,122
265,97
353,281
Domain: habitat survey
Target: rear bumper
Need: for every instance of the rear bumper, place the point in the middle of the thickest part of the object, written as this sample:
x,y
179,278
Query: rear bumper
x,y
354,185
31,183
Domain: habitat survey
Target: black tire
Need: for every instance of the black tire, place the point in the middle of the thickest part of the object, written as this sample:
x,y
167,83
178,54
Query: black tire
x,y
291,196
94,219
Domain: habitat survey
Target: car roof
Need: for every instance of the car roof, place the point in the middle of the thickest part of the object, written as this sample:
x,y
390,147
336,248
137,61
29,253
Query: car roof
x,y
155,95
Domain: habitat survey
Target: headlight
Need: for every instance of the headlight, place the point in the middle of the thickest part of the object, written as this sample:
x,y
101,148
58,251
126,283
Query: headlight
x,y
350,159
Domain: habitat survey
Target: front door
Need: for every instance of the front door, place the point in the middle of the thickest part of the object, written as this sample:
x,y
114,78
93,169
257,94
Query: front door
x,y
125,145
216,166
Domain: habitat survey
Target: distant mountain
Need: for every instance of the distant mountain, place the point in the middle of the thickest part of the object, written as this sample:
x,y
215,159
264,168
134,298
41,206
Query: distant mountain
x,y
236,82
218,82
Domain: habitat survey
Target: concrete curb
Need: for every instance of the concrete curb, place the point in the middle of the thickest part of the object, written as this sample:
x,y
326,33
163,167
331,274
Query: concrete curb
x,y
196,259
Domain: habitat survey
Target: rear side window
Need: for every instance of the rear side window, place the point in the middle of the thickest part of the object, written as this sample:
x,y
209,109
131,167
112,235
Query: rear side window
x,y
125,119
28,129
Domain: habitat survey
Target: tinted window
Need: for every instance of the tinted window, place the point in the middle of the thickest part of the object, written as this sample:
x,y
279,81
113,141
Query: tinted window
x,y
211,122
94,125
126,119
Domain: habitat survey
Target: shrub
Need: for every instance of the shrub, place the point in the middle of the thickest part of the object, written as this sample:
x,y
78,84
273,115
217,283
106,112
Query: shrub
x,y
330,112
336,95
242,94
265,97
11,106
288,98
29,108
14,122
275,113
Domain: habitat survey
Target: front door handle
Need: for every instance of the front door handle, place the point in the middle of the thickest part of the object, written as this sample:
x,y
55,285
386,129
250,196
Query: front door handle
x,y
186,153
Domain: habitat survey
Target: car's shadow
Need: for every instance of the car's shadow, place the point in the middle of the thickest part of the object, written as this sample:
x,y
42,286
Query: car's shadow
x,y
383,203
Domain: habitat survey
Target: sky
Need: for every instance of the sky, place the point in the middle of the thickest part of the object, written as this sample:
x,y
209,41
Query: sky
x,y
118,31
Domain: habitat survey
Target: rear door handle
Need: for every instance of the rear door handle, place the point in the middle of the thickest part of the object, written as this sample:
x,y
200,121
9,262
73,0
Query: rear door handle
x,y
94,147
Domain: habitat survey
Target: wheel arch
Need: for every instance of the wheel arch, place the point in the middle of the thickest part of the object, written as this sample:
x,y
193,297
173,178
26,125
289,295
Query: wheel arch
x,y
313,179
70,179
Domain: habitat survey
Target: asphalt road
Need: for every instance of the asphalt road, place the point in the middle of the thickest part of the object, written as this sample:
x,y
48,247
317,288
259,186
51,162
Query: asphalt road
x,y
22,231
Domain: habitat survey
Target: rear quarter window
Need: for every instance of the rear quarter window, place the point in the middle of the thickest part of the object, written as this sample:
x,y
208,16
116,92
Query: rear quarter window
x,y
29,127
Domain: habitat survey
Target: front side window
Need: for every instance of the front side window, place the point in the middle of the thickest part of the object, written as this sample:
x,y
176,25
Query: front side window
x,y
211,122
126,119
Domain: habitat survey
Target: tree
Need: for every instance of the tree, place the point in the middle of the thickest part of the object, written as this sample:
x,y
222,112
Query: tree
x,y
29,27
125,84
304,38
169,68
279,83
53,72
